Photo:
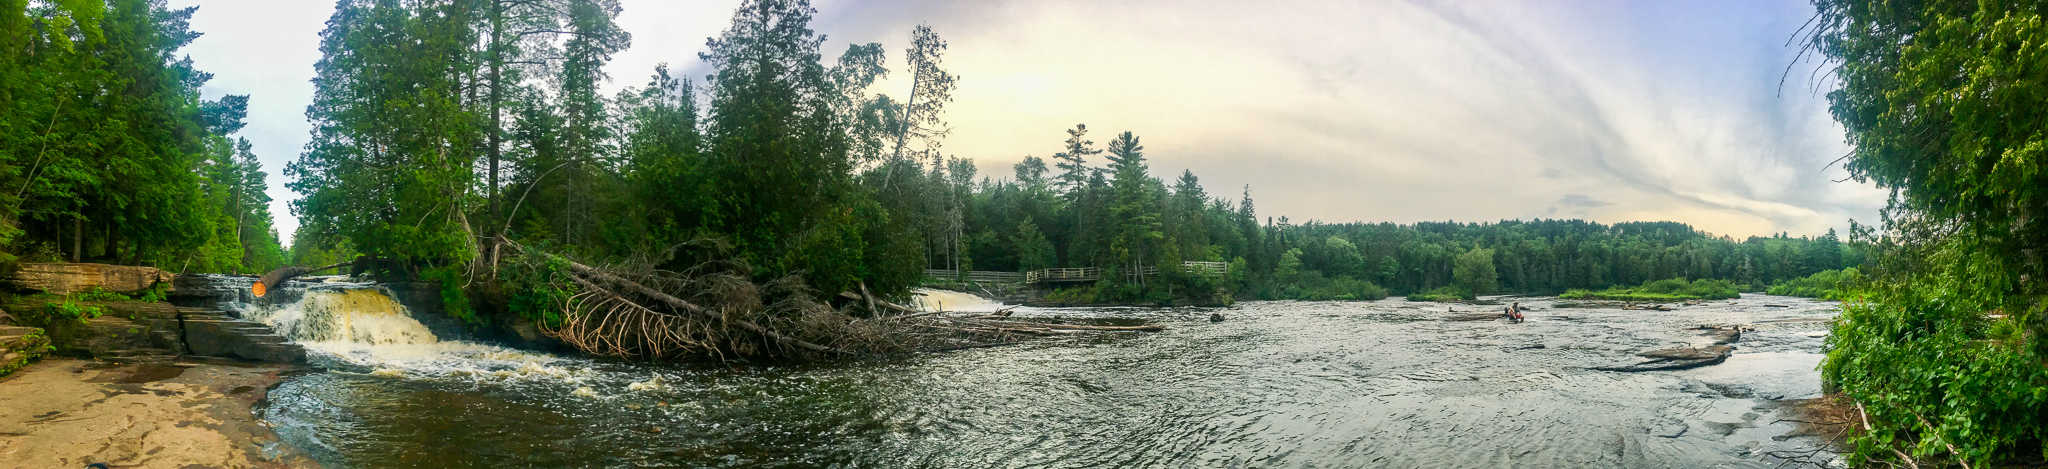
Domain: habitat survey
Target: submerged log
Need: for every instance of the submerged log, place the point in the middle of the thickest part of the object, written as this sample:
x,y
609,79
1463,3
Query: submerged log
x,y
1688,353
281,275
1474,317
1676,358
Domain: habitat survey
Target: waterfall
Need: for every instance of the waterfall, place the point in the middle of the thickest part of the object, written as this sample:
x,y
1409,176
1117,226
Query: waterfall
x,y
349,315
947,300
350,325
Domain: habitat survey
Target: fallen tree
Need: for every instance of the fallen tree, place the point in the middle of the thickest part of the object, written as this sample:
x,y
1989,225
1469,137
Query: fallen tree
x,y
284,274
714,309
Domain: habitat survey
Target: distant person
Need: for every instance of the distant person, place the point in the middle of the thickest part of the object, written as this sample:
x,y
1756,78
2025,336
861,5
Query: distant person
x,y
1514,312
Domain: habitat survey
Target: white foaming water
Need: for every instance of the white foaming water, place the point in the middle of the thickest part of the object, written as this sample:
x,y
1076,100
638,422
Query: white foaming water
x,y
952,301
366,316
365,327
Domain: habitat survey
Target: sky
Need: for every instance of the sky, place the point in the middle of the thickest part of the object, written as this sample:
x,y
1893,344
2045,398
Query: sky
x,y
1336,111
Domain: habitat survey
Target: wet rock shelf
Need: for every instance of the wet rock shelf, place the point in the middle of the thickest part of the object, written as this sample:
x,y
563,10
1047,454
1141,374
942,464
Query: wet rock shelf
x,y
137,331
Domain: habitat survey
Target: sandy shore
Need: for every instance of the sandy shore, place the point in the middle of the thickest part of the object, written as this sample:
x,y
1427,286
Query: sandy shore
x,y
70,413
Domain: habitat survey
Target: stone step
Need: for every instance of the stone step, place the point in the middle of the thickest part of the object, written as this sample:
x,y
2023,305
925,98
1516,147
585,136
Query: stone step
x,y
15,337
17,330
208,317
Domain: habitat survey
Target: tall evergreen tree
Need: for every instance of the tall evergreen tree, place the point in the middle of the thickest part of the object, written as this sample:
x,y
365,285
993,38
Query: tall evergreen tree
x,y
1073,163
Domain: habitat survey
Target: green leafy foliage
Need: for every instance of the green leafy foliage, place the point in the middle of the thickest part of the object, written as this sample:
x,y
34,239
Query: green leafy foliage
x,y
65,310
1671,289
1444,294
26,349
538,292
107,152
1826,284
1943,104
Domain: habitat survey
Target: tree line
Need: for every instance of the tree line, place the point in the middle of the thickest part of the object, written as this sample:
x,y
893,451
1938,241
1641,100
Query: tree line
x,y
109,154
1119,217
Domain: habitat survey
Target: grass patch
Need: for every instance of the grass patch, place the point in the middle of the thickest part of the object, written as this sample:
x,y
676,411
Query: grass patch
x,y
1673,289
1444,295
1826,285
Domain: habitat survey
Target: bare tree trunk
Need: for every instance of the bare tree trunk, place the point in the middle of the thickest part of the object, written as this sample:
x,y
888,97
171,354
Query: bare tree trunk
x,y
497,77
77,237
107,243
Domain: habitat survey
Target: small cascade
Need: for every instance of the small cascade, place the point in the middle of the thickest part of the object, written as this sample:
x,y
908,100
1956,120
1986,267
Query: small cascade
x,y
360,326
952,301
366,316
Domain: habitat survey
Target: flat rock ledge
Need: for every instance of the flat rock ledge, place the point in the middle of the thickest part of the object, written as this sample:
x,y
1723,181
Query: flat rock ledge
x,y
138,331
68,278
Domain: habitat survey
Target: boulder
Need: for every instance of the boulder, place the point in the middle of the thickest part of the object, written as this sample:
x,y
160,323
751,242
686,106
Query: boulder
x,y
69,278
1689,353
1675,358
1722,335
111,337
1215,317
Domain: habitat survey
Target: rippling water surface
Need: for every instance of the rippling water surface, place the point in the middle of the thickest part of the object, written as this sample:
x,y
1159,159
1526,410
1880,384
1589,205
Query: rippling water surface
x,y
1378,384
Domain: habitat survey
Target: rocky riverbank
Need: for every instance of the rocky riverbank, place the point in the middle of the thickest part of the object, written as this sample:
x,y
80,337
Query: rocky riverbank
x,y
73,413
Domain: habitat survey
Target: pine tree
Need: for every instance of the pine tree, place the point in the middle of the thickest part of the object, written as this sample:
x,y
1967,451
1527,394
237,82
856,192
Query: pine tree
x,y
1073,163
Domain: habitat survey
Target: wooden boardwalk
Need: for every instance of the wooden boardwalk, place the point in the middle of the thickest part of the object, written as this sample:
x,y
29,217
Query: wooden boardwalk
x,y
1065,275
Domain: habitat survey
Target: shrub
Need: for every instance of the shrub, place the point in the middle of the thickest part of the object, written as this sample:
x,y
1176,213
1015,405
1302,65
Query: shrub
x,y
1826,284
1672,289
66,309
1443,295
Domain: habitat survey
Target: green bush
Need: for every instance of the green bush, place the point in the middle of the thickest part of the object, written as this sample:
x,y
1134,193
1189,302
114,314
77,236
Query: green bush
x,y
1934,370
1313,286
1443,295
99,294
33,345
1826,284
1671,289
1072,295
66,309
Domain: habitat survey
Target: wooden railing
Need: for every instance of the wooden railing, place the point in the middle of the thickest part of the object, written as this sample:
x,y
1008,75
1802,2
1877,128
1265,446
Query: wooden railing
x,y
1063,275
976,276
1206,268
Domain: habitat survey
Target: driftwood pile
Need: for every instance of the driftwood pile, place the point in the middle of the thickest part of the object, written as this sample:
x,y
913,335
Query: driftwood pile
x,y
714,311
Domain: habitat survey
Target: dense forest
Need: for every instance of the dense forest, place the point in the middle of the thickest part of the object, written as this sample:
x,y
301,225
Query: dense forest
x,y
109,154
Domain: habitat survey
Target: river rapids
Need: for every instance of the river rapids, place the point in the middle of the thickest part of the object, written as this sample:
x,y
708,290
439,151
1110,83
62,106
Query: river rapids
x,y
1279,384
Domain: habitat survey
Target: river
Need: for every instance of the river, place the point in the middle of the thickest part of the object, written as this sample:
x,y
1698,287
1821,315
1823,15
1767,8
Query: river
x,y
1278,384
